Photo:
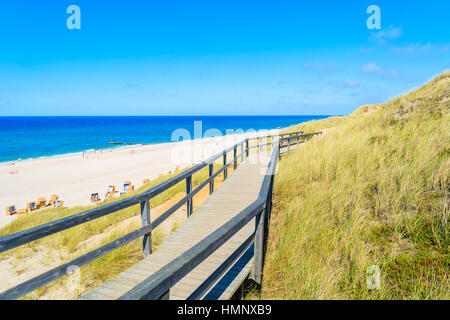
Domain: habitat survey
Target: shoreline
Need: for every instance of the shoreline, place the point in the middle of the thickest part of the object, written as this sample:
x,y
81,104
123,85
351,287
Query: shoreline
x,y
70,154
107,149
75,176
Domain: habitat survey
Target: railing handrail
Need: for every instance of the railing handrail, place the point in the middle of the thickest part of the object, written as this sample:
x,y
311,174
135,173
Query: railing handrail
x,y
162,280
276,135
301,136
29,235
23,237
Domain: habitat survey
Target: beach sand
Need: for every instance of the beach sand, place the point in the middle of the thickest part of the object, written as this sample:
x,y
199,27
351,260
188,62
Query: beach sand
x,y
75,177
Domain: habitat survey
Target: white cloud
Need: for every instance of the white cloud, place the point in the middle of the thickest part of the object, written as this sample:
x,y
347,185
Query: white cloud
x,y
390,74
374,68
416,48
351,84
383,36
370,67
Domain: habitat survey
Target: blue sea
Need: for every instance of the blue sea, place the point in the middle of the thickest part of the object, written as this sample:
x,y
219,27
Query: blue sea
x,y
37,137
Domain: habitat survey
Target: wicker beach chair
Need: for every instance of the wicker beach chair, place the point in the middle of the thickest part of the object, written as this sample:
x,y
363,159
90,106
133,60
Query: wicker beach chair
x,y
31,206
58,203
111,192
126,186
41,202
10,211
52,201
95,197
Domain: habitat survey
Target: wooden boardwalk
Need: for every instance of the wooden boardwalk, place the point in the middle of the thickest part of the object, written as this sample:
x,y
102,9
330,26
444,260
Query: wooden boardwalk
x,y
193,262
233,196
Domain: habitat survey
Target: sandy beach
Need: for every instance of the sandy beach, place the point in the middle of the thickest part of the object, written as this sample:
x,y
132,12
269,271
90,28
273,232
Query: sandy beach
x,y
75,177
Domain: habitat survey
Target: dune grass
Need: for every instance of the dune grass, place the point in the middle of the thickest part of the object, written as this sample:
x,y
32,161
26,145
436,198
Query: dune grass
x,y
371,191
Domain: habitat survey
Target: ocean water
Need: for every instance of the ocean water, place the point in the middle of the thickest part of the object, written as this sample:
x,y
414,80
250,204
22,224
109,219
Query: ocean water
x,y
36,137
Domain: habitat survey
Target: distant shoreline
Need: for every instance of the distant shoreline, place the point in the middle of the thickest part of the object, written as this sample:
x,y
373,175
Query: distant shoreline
x,y
34,138
78,153
101,150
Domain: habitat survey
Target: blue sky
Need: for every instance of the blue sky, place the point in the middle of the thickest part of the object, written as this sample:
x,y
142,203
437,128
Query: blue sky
x,y
215,57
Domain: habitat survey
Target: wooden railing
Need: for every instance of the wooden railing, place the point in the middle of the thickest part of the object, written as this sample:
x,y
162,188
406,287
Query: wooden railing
x,y
294,139
159,284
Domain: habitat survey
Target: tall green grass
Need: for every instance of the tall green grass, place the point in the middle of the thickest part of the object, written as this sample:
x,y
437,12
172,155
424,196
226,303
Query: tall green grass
x,y
374,191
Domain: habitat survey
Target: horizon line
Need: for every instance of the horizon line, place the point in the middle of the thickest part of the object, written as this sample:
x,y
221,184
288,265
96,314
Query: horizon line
x,y
185,115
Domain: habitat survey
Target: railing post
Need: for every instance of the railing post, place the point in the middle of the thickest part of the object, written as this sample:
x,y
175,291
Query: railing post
x,y
211,183
268,208
242,152
259,143
145,220
188,191
289,144
234,157
246,148
279,148
258,248
225,173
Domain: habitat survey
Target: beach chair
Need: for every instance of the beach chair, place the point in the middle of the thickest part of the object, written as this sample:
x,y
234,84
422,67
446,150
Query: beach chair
x,y
58,203
51,202
10,211
41,203
95,197
31,206
111,192
21,212
126,186
146,181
